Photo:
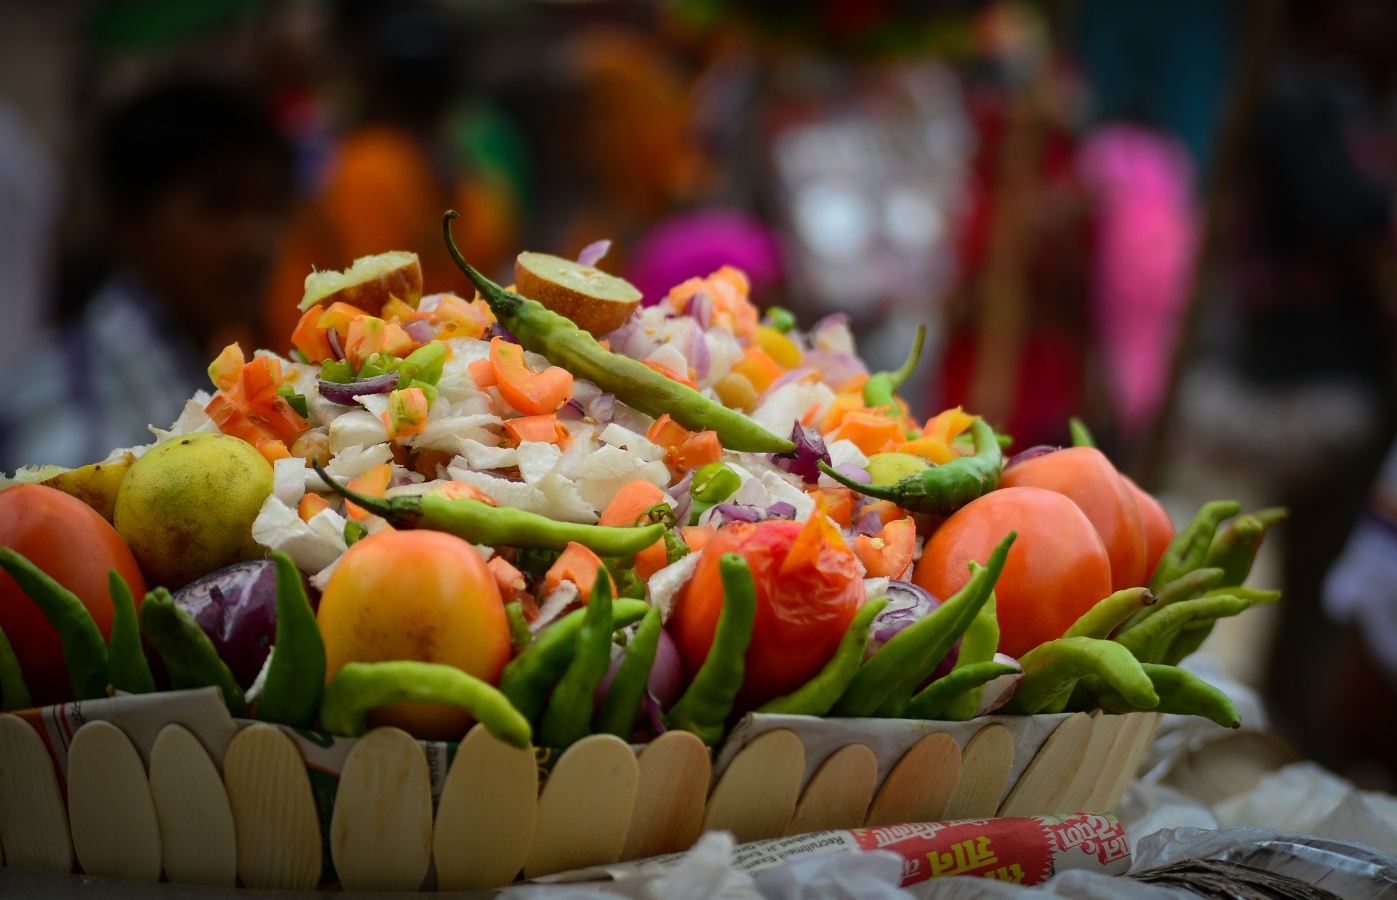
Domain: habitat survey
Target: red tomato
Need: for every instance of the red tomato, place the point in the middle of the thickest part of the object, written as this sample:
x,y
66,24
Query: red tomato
x,y
1159,528
809,585
420,595
1087,478
1056,570
76,546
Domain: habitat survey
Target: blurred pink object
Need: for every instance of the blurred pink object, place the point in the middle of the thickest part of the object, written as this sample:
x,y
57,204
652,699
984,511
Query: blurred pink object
x,y
1147,230
697,243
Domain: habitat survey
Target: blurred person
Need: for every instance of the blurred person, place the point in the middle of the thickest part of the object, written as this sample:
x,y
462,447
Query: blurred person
x,y
194,184
394,171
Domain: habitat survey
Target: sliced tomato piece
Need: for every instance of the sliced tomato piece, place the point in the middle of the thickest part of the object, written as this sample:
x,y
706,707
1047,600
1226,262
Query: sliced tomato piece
x,y
890,553
579,565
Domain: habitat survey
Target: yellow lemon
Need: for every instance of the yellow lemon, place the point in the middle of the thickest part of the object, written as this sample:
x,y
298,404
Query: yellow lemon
x,y
186,507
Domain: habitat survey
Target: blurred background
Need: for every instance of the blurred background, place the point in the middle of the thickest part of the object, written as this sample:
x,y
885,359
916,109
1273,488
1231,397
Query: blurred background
x,y
1174,220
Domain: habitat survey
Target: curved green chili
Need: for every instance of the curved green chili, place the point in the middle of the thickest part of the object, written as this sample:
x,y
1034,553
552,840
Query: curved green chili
x,y
519,633
296,673
188,654
910,656
126,658
638,386
978,645
1150,639
360,687
84,651
940,490
14,693
622,703
1234,549
1187,640
1180,693
959,682
528,677
1189,586
816,696
1189,549
1053,669
497,526
568,717
707,702
880,390
1108,614
1081,434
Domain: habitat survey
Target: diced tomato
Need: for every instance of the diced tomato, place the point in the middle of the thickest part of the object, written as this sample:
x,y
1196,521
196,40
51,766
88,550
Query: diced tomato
x,y
309,337
843,404
483,373
397,309
338,317
579,565
461,318
696,536
272,449
233,421
278,419
626,509
702,448
364,340
311,506
227,367
509,579
886,510
890,553
406,413
531,393
929,447
667,433
545,429
837,502
260,380
870,432
372,483
396,342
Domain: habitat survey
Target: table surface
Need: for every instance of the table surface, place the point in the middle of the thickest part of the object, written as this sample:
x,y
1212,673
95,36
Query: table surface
x,y
38,886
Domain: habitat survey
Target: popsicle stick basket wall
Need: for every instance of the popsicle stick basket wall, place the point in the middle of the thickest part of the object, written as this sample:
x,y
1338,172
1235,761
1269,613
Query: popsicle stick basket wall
x,y
146,795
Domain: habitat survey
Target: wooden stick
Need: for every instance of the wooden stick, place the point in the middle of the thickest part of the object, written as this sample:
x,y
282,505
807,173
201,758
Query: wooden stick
x,y
381,829
485,817
756,796
919,787
115,831
585,809
674,774
839,793
198,842
1104,730
1042,785
33,820
984,774
278,832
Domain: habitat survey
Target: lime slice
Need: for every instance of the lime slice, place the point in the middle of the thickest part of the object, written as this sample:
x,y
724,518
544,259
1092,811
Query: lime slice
x,y
597,302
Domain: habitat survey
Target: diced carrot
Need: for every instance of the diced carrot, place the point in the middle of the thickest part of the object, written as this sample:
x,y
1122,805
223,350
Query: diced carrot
x,y
463,490
311,506
483,373
338,316
810,413
870,432
531,393
837,502
259,380
669,373
227,367
275,417
948,423
579,565
841,406
679,294
364,340
700,449
546,429
816,535
406,413
759,368
396,342
667,433
853,385
309,338
272,450
509,579
696,536
372,483
626,509
890,553
233,421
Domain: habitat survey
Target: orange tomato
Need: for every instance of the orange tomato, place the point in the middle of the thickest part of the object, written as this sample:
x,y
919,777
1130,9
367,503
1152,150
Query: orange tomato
x,y
809,585
532,393
415,595
1056,569
1159,528
77,547
1086,477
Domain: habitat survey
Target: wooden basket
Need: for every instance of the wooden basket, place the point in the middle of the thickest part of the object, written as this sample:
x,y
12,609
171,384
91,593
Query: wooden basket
x,y
502,811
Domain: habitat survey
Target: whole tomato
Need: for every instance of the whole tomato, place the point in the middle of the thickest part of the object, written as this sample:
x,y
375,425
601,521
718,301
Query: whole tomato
x,y
809,586
1056,570
1087,478
1159,528
77,547
415,595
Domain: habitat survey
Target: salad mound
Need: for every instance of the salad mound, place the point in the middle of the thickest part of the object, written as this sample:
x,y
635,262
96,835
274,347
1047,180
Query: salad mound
x,y
703,512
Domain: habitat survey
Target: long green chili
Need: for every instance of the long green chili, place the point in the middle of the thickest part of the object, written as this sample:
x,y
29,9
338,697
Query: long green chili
x,y
708,701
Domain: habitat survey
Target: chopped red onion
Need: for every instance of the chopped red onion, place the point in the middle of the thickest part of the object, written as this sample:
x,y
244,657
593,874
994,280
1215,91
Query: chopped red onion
x,y
593,252
344,394
868,524
650,709
802,461
700,308
585,392
794,375
854,473
907,603
834,367
603,408
695,349
334,340
498,330
1001,690
420,330
732,512
781,510
571,411
750,493
1031,453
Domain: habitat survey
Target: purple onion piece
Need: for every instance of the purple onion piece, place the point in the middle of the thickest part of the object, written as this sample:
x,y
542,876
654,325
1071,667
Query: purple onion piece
x,y
907,603
683,499
344,394
790,377
751,493
593,252
732,512
781,510
334,340
868,524
498,330
696,351
1001,690
1030,453
584,392
834,367
700,308
420,330
603,408
650,710
571,411
854,473
665,682
802,461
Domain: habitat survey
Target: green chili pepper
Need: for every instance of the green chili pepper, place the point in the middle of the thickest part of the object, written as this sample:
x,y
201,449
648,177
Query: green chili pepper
x,y
978,645
296,673
940,490
84,651
1234,549
880,390
707,702
1053,669
1186,641
1108,614
126,659
1150,640
622,703
910,656
360,687
817,695
1189,549
712,484
1180,693
633,383
960,682
338,371
1189,586
1081,434
780,319
14,694
481,523
519,633
528,677
294,400
188,654
568,717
